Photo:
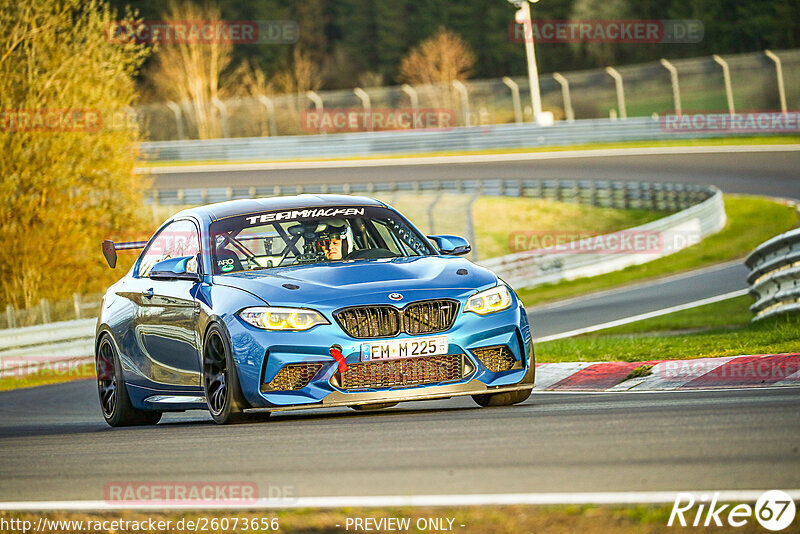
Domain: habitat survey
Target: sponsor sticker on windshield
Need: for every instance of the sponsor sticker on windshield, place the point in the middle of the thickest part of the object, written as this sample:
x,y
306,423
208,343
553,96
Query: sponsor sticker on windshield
x,y
308,213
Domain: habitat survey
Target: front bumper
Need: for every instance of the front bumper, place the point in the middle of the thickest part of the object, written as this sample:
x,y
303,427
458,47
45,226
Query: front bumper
x,y
260,355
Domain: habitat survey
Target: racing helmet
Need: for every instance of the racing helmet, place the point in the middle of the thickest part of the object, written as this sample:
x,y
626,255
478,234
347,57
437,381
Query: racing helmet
x,y
334,228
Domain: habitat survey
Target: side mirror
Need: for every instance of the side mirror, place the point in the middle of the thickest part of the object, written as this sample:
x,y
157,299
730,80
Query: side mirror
x,y
452,245
181,268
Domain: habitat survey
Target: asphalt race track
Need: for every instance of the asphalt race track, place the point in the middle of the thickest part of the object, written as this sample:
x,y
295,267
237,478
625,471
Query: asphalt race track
x,y
54,444
760,173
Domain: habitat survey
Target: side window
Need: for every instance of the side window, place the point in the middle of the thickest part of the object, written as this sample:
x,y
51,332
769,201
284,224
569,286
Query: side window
x,y
178,239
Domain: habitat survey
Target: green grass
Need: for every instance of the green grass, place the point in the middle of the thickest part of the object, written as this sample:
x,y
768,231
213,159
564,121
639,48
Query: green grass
x,y
751,221
54,374
719,329
719,141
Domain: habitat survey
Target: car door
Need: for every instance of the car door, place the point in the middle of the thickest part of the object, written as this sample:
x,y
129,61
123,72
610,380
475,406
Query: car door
x,y
166,318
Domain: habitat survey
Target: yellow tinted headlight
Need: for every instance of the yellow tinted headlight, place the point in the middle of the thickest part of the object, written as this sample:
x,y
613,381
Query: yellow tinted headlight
x,y
489,301
270,318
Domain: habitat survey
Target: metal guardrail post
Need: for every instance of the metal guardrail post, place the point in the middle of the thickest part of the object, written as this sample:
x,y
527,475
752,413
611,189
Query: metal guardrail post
x,y
779,72
366,104
511,84
318,105
470,221
569,113
223,115
76,302
412,96
726,76
614,73
462,90
11,316
45,306
176,110
270,107
676,91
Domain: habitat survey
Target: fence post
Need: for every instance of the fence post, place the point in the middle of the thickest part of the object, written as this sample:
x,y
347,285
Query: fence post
x,y
412,95
726,75
779,71
470,229
569,113
462,90
614,73
223,114
366,103
511,84
45,305
76,301
11,316
676,92
267,103
318,105
176,110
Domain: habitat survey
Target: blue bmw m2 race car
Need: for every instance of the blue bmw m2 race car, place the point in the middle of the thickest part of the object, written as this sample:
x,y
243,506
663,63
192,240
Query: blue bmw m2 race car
x,y
286,303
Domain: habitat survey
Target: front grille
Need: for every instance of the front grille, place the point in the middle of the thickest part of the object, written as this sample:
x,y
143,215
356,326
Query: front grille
x,y
370,321
293,376
423,317
403,372
497,358
429,316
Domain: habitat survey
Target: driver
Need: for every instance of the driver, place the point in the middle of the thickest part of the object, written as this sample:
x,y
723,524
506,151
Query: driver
x,y
332,240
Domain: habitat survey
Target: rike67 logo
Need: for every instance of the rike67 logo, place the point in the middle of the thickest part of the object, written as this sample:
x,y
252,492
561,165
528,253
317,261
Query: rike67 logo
x,y
774,510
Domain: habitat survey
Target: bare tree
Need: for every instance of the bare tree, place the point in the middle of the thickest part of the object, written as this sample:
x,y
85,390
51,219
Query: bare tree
x,y
189,71
440,59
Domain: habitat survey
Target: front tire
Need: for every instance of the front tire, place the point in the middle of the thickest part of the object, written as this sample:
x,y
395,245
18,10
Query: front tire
x,y
114,400
511,397
220,379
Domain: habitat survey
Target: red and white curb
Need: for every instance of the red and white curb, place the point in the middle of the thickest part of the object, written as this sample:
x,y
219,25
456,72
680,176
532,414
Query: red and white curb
x,y
662,375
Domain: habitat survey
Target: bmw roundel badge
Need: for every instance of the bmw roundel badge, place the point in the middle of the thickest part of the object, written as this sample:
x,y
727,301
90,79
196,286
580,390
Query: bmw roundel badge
x,y
395,296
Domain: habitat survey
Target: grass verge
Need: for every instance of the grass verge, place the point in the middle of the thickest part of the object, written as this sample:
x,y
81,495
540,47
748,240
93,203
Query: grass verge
x,y
719,329
47,374
751,221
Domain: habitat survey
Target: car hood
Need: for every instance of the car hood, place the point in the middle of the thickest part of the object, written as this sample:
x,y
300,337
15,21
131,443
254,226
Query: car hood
x,y
360,281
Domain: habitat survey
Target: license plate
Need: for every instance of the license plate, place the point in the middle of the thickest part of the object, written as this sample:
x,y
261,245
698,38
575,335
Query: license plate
x,y
404,348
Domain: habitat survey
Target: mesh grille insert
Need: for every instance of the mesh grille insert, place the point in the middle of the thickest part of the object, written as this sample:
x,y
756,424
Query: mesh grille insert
x,y
497,358
294,376
403,372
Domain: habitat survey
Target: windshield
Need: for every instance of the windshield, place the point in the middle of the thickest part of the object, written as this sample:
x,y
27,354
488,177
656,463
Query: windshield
x,y
312,235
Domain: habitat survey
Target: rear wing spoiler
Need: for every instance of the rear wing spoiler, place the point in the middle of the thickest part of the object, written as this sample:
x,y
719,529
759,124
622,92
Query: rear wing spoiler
x,y
110,249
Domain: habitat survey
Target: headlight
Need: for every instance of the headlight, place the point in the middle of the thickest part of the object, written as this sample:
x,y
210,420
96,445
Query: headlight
x,y
270,318
489,301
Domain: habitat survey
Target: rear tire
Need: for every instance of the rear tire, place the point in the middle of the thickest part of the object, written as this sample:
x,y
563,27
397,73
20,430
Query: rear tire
x,y
220,380
115,403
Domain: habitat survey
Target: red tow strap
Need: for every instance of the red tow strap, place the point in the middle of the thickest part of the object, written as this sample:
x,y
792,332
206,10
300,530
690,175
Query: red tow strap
x,y
339,357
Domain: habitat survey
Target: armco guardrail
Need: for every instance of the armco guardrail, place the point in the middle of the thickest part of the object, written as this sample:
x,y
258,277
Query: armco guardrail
x,y
499,136
775,275
670,234
33,347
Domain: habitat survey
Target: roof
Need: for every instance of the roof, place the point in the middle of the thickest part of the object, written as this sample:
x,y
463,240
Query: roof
x,y
245,206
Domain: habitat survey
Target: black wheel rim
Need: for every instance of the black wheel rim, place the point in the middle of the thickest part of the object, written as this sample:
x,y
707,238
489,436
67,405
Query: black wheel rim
x,y
106,378
215,371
